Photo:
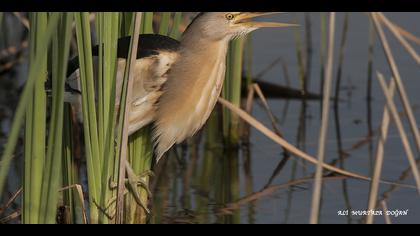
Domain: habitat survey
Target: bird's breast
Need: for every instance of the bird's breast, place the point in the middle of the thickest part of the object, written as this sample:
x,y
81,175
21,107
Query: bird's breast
x,y
189,96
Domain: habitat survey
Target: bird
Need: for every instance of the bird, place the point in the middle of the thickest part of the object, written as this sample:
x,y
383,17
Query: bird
x,y
176,83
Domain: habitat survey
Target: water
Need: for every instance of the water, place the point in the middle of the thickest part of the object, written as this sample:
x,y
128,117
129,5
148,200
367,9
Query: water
x,y
184,191
198,185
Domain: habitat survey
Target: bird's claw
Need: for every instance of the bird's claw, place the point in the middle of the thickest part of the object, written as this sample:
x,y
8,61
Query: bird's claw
x,y
132,183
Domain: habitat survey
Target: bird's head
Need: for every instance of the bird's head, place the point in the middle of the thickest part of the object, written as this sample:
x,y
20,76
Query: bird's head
x,y
228,25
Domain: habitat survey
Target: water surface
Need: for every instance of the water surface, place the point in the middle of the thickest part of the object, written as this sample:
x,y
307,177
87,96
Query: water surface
x,y
196,188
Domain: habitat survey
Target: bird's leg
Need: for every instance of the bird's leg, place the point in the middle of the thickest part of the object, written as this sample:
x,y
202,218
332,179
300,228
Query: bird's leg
x,y
133,181
106,210
109,209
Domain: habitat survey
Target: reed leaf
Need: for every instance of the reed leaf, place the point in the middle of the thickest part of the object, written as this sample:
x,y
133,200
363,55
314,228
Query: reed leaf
x,y
35,128
108,25
70,173
164,23
36,74
52,174
89,111
125,26
147,26
140,159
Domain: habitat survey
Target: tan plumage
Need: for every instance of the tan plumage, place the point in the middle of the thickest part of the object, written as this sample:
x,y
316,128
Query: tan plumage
x,y
194,92
195,80
150,75
177,84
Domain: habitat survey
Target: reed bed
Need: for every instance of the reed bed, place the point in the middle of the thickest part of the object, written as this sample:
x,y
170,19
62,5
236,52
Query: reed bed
x,y
105,162
58,153
391,108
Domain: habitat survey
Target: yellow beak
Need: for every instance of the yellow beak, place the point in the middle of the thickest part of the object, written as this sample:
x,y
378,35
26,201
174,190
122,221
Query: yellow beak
x,y
244,18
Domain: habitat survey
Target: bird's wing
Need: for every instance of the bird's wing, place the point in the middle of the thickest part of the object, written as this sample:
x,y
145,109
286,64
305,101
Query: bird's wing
x,y
155,56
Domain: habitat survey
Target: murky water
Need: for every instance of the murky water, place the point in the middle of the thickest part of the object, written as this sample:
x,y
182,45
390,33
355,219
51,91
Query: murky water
x,y
204,181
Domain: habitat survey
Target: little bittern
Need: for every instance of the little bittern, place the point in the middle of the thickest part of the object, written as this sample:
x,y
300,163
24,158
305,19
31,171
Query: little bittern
x,y
177,84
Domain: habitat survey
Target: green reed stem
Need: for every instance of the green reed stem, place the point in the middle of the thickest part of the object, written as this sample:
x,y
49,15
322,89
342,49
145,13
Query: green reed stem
x,y
108,24
300,57
175,26
89,110
147,26
70,176
35,127
52,175
1,19
232,89
164,23
125,26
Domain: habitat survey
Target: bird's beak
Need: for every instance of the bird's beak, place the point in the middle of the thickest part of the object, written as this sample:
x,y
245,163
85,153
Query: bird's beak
x,y
244,19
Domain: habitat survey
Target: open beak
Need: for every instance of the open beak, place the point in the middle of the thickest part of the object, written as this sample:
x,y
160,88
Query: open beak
x,y
244,19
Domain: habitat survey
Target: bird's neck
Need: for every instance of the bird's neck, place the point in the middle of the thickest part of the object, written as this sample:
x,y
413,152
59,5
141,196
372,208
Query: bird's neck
x,y
198,42
202,55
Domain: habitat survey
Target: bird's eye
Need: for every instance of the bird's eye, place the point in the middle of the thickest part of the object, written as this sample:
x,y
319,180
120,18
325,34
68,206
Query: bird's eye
x,y
230,16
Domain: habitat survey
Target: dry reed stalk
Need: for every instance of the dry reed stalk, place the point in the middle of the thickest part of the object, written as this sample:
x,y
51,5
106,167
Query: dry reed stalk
x,y
400,37
374,186
10,217
292,149
384,210
248,109
267,108
124,141
396,76
406,34
316,197
286,154
11,200
81,199
397,120
271,189
23,20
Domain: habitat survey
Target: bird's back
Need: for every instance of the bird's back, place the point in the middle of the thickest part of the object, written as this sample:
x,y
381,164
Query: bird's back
x,y
149,45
